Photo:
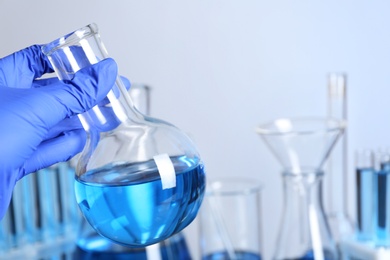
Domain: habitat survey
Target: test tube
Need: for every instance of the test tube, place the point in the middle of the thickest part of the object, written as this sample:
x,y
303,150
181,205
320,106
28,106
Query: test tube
x,y
382,201
365,173
3,235
48,202
70,217
336,178
30,210
18,220
6,234
384,160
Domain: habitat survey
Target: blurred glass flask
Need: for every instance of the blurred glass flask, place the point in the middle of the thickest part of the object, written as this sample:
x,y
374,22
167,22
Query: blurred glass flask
x,y
230,220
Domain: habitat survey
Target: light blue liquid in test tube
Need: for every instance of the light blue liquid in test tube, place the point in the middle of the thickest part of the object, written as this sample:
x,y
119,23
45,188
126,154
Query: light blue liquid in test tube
x,y
382,199
6,236
29,185
365,201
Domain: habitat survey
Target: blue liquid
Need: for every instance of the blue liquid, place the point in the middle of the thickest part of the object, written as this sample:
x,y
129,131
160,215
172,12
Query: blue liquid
x,y
382,194
310,256
240,255
99,248
128,205
365,178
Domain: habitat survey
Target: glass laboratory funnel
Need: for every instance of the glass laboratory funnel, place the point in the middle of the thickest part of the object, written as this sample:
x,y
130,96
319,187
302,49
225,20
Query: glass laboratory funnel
x,y
139,180
302,145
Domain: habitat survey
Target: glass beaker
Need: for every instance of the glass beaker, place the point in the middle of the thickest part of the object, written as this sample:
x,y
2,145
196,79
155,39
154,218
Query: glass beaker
x,y
302,145
230,220
139,180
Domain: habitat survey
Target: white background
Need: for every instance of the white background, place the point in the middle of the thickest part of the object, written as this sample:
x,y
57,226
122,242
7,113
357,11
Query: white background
x,y
218,68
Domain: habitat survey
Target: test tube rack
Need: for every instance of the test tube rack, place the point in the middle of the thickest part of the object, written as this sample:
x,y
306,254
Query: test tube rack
x,y
43,217
352,249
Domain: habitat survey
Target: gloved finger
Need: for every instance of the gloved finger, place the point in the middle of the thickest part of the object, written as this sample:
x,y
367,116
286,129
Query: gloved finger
x,y
36,111
73,123
38,83
126,84
68,124
69,143
70,97
48,81
19,69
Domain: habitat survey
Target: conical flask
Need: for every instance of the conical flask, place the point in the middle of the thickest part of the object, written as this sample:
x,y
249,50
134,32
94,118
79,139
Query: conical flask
x,y
302,145
139,180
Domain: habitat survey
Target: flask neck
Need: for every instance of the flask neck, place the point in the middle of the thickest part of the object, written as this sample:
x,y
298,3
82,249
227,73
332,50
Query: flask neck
x,y
304,230
115,109
304,187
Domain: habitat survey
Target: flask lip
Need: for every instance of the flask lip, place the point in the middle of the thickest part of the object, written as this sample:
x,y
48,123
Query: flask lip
x,y
70,39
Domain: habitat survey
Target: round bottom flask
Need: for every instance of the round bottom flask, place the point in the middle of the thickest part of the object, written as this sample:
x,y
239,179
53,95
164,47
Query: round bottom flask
x,y
139,180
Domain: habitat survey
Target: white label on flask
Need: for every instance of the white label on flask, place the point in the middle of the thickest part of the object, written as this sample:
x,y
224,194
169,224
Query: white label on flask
x,y
166,170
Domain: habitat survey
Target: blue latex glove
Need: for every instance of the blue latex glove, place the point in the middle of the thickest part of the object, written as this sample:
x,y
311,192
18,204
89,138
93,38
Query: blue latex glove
x,y
38,126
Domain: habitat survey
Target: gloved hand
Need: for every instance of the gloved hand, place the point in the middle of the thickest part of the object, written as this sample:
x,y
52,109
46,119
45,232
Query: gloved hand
x,y
38,126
